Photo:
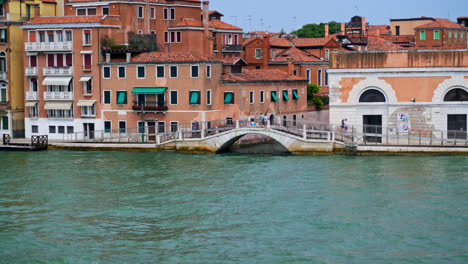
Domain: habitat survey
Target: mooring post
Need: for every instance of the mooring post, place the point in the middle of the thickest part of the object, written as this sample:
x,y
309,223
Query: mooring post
x,y
203,129
304,131
158,139
237,124
268,124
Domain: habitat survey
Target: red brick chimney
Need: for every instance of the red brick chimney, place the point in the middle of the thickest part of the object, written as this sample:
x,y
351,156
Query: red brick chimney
x,y
266,51
364,26
326,30
377,32
343,29
290,66
206,29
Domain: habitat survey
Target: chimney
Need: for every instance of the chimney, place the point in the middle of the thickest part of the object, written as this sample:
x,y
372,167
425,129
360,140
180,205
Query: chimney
x,y
129,57
343,29
206,29
364,26
37,11
377,32
108,57
290,66
266,51
326,30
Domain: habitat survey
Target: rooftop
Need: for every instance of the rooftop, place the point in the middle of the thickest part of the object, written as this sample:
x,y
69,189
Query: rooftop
x,y
296,55
440,23
176,57
260,76
218,24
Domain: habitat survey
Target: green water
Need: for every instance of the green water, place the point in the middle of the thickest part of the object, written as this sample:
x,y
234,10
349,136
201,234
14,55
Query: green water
x,y
118,207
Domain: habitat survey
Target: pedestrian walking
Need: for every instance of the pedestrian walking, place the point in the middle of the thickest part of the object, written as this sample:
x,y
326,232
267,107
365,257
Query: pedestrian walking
x,y
345,123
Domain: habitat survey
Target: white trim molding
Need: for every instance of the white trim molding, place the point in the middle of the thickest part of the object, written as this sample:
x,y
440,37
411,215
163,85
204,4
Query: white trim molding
x,y
372,82
445,86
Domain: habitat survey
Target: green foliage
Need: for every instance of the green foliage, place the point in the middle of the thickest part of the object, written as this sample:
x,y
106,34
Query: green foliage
x,y
314,96
317,30
118,46
107,42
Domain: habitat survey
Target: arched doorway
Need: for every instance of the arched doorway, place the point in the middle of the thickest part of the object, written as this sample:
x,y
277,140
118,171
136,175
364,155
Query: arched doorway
x,y
372,124
272,119
456,122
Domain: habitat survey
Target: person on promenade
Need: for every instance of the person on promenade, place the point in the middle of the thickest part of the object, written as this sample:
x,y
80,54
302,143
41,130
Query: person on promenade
x,y
261,119
265,119
345,123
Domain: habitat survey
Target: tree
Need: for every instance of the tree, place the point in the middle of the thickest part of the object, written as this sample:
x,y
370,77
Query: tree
x,y
317,30
314,96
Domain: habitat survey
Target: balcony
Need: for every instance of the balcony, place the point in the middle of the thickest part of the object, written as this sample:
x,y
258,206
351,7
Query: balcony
x,y
3,76
4,105
232,48
58,71
48,46
150,107
31,71
32,96
58,96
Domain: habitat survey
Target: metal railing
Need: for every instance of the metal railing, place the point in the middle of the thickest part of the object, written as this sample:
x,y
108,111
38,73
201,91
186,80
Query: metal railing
x,y
65,96
32,96
149,106
3,76
48,46
31,71
58,71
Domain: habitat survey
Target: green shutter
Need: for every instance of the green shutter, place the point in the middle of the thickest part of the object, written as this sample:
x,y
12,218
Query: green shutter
x,y
285,96
273,96
149,90
227,98
5,122
194,98
423,35
121,98
436,34
295,95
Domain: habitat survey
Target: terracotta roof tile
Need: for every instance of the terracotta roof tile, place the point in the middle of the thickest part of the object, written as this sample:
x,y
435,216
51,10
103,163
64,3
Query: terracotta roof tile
x,y
190,22
311,42
280,42
60,20
383,30
260,76
440,23
399,39
378,43
296,55
218,24
149,57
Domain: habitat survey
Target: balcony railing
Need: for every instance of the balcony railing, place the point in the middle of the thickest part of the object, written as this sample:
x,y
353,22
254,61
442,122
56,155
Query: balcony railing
x,y
32,96
58,71
150,106
3,76
48,46
4,105
232,48
59,96
87,92
31,71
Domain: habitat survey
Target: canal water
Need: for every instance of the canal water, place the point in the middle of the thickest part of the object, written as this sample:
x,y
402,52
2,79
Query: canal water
x,y
120,207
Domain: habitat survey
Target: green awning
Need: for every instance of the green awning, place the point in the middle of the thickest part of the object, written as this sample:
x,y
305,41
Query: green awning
x,y
194,98
295,95
149,90
227,98
285,95
1,1
273,96
121,98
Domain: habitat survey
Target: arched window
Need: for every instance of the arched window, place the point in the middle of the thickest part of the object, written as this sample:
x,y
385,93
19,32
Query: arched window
x,y
2,61
3,92
456,95
372,96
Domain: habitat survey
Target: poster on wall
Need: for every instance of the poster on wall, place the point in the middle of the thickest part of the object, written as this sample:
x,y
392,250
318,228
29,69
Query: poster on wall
x,y
403,123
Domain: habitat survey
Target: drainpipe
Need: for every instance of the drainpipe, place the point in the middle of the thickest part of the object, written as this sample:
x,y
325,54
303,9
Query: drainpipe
x,y
240,102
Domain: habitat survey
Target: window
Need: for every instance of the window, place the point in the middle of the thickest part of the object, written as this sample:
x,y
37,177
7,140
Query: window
x,y
208,97
50,36
106,72
68,60
59,36
194,97
436,34
326,77
33,111
160,71
422,35
141,72
228,98
285,95
319,77
3,93
90,11
174,98
153,13
450,34
372,96
2,10
68,36
455,33
88,111
295,94
229,121
41,36
262,97
61,129
456,95
251,97
70,130
87,62
174,126
308,75
166,37
107,126
141,127
122,127
35,129
121,97
3,35
173,37
105,10
174,71
88,87
161,127
172,13
274,98
51,129
208,71
178,37
327,54
33,85
107,97
294,120
397,29
461,34
140,12
166,14
295,72
5,122
258,53
86,37
121,71
194,71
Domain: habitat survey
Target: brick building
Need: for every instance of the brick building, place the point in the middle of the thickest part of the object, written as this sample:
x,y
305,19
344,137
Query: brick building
x,y
441,33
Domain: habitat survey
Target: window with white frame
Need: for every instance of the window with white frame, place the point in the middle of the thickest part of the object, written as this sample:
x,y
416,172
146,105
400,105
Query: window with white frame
x,y
87,37
68,36
174,126
59,36
90,11
172,14
194,71
208,71
33,111
121,70
88,111
327,54
160,71
153,12
174,71
107,126
174,97
122,126
308,75
258,53
141,72
33,85
88,87
3,92
107,97
208,97
105,10
140,11
106,72
326,77
166,14
319,77
262,97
